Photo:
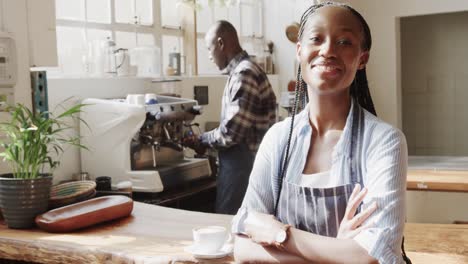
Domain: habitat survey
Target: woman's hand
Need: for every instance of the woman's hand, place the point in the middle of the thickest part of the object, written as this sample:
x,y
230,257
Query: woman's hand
x,y
351,225
262,228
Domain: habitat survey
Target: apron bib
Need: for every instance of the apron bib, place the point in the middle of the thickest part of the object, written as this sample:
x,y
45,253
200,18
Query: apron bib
x,y
320,210
315,210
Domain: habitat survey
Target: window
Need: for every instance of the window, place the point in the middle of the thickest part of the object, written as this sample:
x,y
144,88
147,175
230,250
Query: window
x,y
84,25
245,16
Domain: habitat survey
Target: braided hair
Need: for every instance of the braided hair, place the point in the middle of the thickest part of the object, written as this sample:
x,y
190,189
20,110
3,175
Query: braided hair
x,y
359,89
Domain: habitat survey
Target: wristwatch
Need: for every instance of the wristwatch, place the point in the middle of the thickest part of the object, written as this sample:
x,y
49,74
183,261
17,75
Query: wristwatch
x,y
282,236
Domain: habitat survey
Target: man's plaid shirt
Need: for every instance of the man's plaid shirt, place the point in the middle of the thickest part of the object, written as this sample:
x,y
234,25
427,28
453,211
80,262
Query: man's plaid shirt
x,y
248,106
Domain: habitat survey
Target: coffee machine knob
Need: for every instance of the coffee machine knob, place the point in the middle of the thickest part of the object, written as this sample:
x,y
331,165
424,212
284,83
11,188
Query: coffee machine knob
x,y
157,116
196,110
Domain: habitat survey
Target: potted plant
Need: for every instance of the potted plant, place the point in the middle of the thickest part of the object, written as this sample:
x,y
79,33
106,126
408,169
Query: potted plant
x,y
32,143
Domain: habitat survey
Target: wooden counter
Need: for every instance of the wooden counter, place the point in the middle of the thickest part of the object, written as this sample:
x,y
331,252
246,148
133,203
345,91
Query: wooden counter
x,y
437,173
436,243
155,234
437,180
152,234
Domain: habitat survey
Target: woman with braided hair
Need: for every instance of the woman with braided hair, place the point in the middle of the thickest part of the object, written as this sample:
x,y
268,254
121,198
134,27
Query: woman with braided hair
x,y
304,202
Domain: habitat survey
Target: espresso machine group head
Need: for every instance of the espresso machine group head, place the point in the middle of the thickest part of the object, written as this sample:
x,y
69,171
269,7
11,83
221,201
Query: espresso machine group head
x,y
141,143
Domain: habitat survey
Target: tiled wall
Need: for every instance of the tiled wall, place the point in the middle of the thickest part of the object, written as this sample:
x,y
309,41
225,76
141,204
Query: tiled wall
x,y
434,52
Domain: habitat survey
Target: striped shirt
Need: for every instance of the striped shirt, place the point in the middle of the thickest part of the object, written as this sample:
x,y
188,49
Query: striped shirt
x,y
248,106
383,164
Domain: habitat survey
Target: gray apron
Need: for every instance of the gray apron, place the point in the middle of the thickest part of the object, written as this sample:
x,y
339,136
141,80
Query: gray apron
x,y
320,210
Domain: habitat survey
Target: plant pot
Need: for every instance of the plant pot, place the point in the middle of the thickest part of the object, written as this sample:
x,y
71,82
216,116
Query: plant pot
x,y
21,200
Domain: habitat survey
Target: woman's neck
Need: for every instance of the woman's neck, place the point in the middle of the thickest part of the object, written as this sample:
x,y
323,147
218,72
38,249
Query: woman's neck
x,y
328,112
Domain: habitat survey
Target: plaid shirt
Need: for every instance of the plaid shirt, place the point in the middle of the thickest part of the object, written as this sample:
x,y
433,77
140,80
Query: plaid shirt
x,y
248,106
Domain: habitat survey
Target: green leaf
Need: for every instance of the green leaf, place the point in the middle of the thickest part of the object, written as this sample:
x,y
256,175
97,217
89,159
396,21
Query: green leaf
x,y
31,136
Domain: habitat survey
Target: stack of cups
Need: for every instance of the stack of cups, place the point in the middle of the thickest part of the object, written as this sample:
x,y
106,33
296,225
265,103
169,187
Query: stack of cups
x,y
142,99
136,99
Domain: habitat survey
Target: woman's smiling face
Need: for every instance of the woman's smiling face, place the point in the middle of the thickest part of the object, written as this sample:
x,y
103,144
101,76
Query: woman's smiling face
x,y
330,50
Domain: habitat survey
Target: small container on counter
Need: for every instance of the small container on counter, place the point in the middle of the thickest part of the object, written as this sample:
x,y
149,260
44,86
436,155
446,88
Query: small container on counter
x,y
103,183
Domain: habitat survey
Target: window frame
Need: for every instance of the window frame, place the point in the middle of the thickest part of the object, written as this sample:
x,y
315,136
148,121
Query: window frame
x,y
157,30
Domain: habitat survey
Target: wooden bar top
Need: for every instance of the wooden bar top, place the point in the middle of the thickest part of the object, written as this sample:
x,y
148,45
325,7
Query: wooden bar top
x,y
436,243
155,234
152,234
437,173
437,180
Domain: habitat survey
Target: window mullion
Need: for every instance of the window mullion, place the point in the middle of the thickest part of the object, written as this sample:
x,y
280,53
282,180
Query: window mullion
x,y
85,3
113,20
157,22
172,32
119,26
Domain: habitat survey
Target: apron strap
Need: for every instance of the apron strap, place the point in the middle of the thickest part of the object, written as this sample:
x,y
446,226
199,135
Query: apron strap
x,y
356,143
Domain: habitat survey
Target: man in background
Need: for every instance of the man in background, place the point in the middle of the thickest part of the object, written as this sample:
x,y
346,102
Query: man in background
x,y
248,109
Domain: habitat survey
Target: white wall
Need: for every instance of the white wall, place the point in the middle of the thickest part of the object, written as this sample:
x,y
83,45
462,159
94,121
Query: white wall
x,y
436,207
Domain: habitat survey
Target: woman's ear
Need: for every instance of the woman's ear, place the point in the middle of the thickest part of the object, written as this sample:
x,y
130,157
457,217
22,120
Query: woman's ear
x,y
363,60
298,51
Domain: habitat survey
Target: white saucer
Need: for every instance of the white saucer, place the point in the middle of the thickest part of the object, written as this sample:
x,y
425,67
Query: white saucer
x,y
224,251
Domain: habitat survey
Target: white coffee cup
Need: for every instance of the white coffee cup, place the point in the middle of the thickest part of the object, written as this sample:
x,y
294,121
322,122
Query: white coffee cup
x,y
131,98
140,99
210,239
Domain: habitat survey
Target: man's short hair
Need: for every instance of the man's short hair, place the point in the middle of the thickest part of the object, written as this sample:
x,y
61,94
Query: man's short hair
x,y
225,29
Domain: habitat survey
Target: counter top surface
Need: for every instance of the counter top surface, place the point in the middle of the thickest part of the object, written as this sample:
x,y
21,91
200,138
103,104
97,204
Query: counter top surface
x,y
152,234
436,243
437,173
155,234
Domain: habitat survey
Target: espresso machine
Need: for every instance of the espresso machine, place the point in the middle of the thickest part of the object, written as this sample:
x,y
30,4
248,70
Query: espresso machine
x,y
141,143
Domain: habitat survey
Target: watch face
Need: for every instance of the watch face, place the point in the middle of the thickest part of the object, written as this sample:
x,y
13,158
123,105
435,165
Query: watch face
x,y
281,236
